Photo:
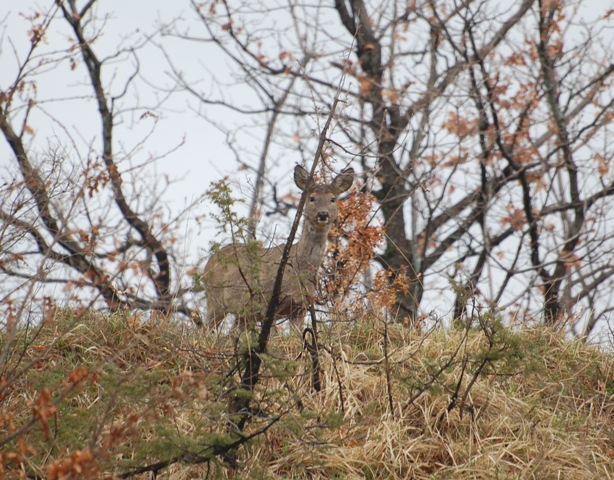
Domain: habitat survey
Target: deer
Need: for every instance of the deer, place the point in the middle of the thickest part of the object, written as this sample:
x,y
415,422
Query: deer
x,y
239,278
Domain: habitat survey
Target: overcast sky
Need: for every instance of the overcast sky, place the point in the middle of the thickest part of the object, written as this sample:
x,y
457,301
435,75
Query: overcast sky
x,y
202,156
198,154
197,151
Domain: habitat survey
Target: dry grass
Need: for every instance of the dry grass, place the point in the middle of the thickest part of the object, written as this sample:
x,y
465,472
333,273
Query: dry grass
x,y
540,406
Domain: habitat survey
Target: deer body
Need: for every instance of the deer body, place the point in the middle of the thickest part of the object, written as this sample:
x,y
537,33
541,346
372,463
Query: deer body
x,y
239,278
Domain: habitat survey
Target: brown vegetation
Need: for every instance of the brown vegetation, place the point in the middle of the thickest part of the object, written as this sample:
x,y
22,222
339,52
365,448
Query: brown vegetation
x,y
481,138
117,395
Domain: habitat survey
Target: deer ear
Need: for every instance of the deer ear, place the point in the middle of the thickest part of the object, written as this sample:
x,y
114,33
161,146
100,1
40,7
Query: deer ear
x,y
344,180
302,178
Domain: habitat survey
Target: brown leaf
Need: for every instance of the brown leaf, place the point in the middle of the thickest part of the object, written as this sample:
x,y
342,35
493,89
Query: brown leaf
x,y
391,95
603,166
365,85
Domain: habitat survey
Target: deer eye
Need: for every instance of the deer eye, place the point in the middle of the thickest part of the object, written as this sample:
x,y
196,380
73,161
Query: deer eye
x,y
332,200
312,199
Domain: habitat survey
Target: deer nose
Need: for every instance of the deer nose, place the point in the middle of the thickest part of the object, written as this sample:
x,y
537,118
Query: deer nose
x,y
323,216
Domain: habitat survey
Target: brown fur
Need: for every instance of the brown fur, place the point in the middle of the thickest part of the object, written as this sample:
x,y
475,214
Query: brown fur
x,y
239,278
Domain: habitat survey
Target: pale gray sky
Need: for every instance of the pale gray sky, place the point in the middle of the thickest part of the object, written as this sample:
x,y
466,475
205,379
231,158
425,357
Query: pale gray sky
x,y
202,155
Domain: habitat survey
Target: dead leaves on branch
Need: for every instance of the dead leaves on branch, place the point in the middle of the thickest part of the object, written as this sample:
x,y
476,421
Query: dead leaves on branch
x,y
350,257
359,240
516,218
460,126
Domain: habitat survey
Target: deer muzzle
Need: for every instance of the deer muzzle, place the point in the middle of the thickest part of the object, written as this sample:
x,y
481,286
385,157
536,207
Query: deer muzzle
x,y
323,217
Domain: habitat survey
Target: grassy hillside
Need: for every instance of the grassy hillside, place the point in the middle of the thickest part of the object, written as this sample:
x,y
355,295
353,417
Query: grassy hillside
x,y
96,395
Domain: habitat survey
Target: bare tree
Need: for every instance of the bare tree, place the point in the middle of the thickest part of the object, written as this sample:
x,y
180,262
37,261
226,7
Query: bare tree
x,y
87,219
482,130
484,127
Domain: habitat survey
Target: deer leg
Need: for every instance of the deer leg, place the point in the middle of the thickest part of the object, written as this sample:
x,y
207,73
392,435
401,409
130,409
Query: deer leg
x,y
215,315
297,320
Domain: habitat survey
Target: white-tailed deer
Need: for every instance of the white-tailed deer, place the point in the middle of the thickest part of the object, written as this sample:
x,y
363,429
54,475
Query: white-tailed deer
x,y
239,278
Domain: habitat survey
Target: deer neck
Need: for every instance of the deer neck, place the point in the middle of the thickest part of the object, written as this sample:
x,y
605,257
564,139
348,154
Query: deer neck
x,y
311,247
